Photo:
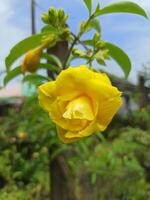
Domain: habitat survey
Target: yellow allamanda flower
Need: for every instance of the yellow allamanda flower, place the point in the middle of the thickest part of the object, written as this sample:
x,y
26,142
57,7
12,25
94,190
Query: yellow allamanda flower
x,y
80,102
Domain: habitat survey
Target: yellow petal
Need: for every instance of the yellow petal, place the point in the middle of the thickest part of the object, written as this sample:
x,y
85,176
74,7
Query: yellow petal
x,y
89,130
102,77
47,95
107,110
56,111
61,133
79,108
101,91
70,82
74,82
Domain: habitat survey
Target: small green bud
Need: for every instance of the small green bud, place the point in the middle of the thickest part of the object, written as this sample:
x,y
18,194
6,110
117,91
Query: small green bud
x,y
62,18
45,18
78,52
100,44
101,56
65,34
61,14
96,37
53,16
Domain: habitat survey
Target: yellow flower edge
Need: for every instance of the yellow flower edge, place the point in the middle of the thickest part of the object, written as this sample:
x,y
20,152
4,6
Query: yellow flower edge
x,y
80,102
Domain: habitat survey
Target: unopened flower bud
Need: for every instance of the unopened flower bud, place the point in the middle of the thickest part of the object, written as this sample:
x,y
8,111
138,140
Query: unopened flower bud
x,y
62,18
32,60
65,34
52,13
45,18
96,37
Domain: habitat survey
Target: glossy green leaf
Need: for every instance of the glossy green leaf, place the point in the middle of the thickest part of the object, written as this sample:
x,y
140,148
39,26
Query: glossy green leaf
x,y
21,48
88,42
50,67
35,78
54,59
122,7
88,3
120,57
95,23
50,29
12,74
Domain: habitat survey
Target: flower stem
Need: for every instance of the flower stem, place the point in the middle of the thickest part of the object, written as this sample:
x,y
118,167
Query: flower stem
x,y
76,38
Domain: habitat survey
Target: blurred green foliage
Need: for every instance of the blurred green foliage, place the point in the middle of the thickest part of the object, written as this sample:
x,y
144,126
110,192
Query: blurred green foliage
x,y
111,166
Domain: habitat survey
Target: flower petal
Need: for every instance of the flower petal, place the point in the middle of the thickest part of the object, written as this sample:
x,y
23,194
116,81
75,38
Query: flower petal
x,y
107,110
61,133
101,91
79,108
47,95
56,114
89,130
72,82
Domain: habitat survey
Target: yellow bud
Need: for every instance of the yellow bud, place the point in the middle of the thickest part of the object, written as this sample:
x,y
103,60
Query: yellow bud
x,y
35,155
31,60
44,149
22,135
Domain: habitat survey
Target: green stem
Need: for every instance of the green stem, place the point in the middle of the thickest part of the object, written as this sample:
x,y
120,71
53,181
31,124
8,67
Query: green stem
x,y
77,38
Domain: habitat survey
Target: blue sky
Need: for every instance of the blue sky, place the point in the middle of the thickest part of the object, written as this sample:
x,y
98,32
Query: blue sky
x,y
130,32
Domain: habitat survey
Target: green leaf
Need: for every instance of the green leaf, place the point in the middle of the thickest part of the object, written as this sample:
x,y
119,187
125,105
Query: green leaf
x,y
122,7
50,29
35,79
12,74
88,3
21,48
95,23
88,42
93,178
120,57
50,67
54,59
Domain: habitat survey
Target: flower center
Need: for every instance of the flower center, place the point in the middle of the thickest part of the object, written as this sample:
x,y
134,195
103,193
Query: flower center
x,y
79,108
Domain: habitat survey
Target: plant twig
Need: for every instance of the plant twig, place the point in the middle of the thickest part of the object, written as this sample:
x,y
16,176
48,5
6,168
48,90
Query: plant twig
x,y
82,43
77,38
69,52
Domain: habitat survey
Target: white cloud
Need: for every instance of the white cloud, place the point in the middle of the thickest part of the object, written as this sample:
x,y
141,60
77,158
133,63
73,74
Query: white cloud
x,y
9,34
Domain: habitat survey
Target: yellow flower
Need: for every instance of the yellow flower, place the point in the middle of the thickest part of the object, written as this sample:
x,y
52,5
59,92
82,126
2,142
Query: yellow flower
x,y
80,102
32,60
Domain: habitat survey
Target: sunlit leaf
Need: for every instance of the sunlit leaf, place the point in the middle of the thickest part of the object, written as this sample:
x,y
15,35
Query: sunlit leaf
x,y
12,74
95,23
21,48
54,59
122,7
89,5
50,67
120,57
49,29
35,78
